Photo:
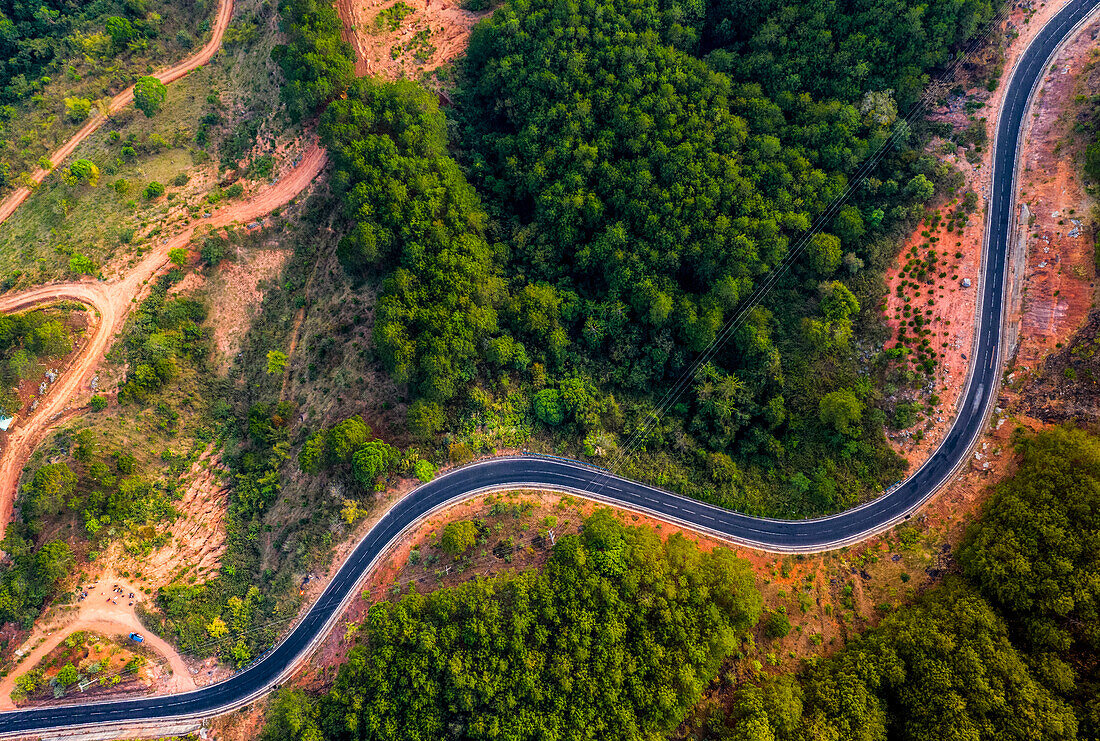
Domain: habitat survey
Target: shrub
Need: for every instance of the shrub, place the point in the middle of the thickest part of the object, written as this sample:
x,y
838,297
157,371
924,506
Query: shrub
x,y
154,190
276,362
424,470
181,180
81,264
98,403
149,94
236,190
776,625
77,109
82,172
178,256
458,537
213,251
547,404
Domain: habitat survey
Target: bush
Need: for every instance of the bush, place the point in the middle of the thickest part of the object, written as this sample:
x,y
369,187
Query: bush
x,y
98,403
82,172
181,180
236,190
81,264
154,190
424,470
458,537
776,625
547,404
77,109
276,362
178,256
213,251
149,94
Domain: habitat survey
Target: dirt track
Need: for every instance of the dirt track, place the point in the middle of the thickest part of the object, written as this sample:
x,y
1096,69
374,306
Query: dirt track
x,y
120,101
112,302
106,618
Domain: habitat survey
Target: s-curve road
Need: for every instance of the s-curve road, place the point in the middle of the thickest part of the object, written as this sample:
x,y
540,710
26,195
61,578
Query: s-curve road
x,y
552,473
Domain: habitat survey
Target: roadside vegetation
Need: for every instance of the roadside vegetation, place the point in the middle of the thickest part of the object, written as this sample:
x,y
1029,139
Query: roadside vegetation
x,y
106,485
84,662
1004,649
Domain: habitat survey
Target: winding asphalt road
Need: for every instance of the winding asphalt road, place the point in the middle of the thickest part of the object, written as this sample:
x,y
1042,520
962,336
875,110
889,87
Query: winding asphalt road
x,y
552,473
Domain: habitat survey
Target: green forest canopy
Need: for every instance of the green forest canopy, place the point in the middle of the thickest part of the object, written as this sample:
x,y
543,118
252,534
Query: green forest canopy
x,y
615,639
640,167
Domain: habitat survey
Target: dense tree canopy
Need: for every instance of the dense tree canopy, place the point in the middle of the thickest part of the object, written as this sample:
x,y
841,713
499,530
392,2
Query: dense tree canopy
x,y
1036,550
615,639
316,61
414,213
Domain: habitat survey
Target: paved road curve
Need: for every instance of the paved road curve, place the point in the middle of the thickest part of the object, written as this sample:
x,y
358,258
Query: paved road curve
x,y
516,472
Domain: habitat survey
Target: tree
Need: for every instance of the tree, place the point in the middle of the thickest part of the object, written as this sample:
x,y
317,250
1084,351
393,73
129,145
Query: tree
x,y
541,653
458,537
1035,552
149,94
312,455
346,438
424,470
920,188
372,460
68,675
82,172
776,625
316,61
77,109
81,264
825,253
178,256
425,418
1092,161
547,405
290,718
120,30
941,669
276,362
841,410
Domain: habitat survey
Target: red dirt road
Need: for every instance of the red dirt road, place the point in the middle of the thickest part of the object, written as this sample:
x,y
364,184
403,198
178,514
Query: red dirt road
x,y
113,302
120,101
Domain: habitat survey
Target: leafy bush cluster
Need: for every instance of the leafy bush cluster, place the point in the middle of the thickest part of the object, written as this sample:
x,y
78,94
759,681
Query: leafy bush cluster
x,y
416,215
615,639
163,331
350,443
316,61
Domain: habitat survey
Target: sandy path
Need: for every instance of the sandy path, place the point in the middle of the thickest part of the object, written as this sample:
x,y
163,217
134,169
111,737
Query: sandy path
x,y
112,302
99,615
120,101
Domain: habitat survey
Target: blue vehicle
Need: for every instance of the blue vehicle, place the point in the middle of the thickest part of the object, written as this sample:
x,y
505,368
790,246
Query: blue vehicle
x,y
137,638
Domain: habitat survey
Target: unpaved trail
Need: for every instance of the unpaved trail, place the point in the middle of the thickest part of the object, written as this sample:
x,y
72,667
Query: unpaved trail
x,y
120,101
112,302
99,615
